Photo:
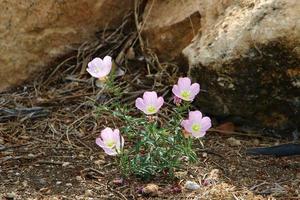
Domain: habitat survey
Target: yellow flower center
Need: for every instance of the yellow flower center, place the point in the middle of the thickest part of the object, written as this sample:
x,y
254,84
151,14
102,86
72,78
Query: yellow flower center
x,y
196,127
151,109
185,95
110,143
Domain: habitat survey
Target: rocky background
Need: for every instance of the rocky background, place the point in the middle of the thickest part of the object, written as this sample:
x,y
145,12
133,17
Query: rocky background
x,y
245,54
34,33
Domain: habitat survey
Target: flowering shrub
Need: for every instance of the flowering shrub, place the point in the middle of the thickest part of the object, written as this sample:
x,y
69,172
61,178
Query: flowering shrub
x,y
157,146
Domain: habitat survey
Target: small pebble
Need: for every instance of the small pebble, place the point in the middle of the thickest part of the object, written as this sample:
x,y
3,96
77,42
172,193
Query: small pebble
x,y
10,196
99,162
151,190
65,164
78,178
81,155
31,155
58,182
69,184
42,181
234,142
191,185
88,193
256,142
24,137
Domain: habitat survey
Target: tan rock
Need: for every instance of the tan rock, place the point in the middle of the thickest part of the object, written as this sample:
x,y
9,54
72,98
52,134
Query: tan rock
x,y
170,26
234,28
34,32
151,190
247,57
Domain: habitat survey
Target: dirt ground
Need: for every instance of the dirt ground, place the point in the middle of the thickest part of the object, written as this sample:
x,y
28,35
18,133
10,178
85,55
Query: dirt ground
x,y
50,152
40,163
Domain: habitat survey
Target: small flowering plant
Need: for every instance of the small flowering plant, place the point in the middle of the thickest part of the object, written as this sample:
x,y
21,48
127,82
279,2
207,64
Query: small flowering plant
x,y
158,145
101,70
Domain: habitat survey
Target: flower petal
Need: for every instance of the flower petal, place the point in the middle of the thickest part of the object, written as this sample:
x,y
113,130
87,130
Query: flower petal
x,y
109,151
183,123
187,125
150,98
107,61
116,134
195,89
91,65
184,83
205,124
107,134
92,72
107,65
100,143
195,116
159,103
176,90
139,103
117,138
97,62
198,134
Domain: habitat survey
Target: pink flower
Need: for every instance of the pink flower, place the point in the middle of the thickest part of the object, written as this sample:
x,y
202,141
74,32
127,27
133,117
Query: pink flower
x,y
99,68
110,141
184,90
150,103
195,124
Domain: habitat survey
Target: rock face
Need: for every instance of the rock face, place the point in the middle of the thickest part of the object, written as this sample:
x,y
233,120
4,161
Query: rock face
x,y
34,32
247,57
170,25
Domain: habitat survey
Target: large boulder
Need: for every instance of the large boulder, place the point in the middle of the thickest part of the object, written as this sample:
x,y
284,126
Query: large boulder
x,y
35,32
169,26
247,58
